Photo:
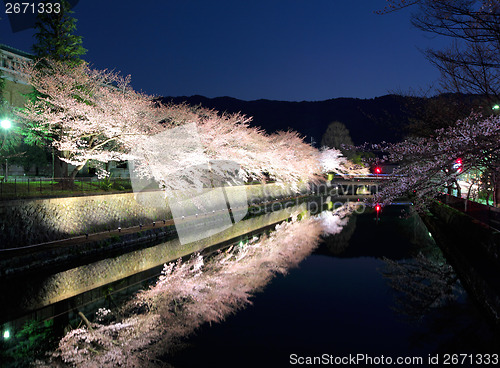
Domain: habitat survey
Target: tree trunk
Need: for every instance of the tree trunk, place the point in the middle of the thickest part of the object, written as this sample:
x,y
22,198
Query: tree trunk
x,y
76,170
469,191
60,168
61,172
459,189
81,315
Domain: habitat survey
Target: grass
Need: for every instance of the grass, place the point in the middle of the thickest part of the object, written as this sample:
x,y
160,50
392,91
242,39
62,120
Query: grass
x,y
24,187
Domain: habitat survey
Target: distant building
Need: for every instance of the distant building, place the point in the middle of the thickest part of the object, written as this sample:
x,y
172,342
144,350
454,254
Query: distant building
x,y
16,84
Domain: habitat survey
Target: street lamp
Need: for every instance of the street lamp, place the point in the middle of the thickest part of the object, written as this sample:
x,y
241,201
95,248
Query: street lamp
x,y
6,125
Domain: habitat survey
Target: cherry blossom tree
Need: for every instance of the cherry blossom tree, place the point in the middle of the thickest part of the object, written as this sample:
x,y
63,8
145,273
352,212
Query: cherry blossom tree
x,y
332,161
283,156
92,115
96,116
426,164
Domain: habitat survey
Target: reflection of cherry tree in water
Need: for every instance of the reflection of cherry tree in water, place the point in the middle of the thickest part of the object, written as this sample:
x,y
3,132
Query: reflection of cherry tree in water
x,y
458,328
190,294
427,292
421,285
337,244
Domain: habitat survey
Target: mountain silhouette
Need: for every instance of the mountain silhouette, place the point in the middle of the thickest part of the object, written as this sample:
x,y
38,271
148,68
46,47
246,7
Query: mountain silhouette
x,y
378,119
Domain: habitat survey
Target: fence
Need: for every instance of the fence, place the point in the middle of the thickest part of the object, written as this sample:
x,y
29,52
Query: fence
x,y
17,187
486,214
28,187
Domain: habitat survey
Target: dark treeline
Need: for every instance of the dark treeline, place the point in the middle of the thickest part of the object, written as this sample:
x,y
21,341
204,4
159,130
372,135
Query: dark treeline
x,y
389,117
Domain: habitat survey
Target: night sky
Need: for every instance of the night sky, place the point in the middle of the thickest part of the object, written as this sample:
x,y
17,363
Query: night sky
x,y
290,50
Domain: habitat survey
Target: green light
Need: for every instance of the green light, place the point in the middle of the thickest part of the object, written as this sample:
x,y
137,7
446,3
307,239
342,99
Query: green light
x,y
6,334
302,215
496,107
6,124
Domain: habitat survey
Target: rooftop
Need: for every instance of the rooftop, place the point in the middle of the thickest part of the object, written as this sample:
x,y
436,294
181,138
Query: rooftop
x,y
16,51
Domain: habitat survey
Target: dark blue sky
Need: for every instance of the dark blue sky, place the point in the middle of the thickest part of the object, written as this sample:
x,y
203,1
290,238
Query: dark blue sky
x,y
275,49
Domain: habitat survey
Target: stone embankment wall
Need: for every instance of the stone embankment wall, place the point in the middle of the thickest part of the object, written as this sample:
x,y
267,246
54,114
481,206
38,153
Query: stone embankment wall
x,y
27,222
468,229
473,249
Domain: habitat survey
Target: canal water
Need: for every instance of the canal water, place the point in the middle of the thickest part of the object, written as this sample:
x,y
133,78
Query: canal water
x,y
381,288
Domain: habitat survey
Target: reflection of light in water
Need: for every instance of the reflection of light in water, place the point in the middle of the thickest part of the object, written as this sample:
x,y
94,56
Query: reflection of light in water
x,y
195,292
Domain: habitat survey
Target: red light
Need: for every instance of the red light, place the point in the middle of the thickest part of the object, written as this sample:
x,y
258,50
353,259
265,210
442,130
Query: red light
x,y
458,165
378,208
378,170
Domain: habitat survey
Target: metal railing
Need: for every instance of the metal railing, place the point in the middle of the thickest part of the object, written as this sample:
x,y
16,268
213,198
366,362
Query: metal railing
x,y
488,215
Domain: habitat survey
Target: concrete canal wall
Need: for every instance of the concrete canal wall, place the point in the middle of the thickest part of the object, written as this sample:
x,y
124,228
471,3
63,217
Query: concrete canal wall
x,y
479,235
26,222
472,249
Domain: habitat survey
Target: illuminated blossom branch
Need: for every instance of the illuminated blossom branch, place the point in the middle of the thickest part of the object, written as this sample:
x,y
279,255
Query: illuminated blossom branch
x,y
283,156
91,114
426,164
332,161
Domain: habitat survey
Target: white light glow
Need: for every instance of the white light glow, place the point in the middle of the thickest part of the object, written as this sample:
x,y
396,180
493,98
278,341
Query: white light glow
x,y
6,124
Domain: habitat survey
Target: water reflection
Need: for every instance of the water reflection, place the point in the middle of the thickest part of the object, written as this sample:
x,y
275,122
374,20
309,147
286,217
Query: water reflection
x,y
421,284
425,290
339,302
336,245
428,293
192,293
